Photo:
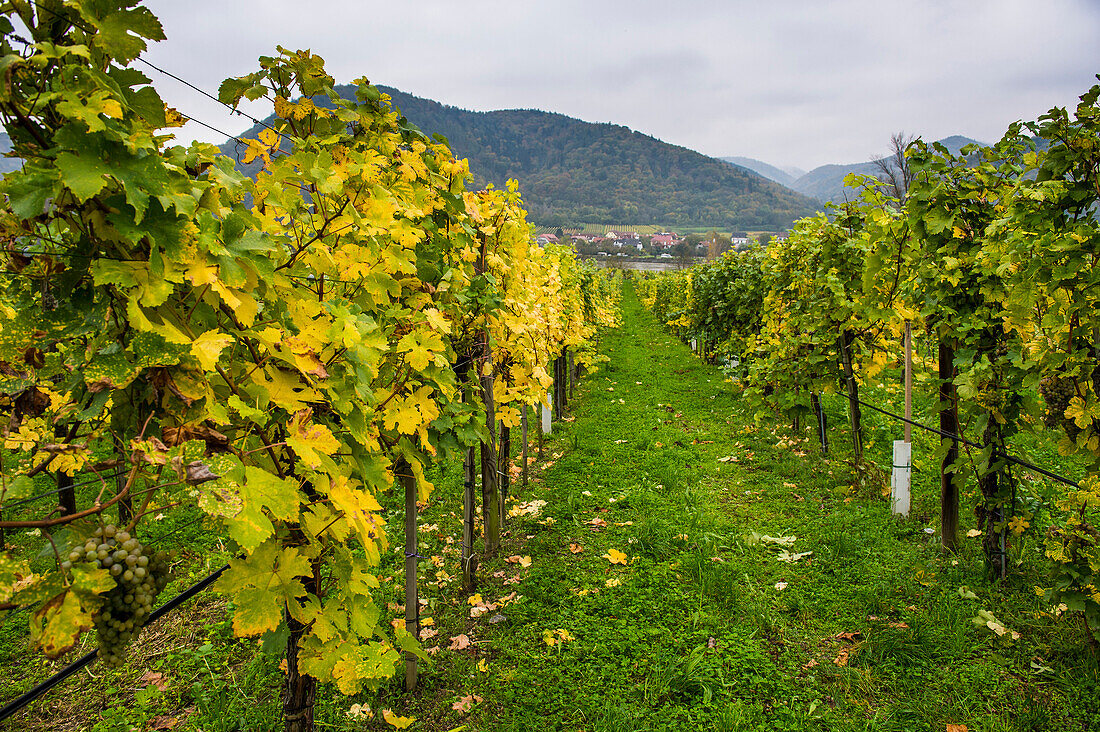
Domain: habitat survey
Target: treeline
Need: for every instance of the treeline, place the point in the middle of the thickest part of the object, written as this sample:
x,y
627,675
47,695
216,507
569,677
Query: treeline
x,y
993,255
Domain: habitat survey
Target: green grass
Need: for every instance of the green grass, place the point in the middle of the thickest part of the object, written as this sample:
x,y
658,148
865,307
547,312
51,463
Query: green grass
x,y
870,631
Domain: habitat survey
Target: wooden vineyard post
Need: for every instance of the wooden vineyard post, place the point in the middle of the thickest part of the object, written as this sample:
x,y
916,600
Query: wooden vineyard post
x,y
469,562
908,380
559,389
819,413
902,471
544,422
66,494
845,343
490,496
412,600
572,374
523,430
949,423
504,465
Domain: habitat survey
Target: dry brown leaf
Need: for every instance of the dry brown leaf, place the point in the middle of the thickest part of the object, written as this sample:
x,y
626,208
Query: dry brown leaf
x,y
459,642
809,664
841,658
428,633
850,637
956,728
898,624
576,548
155,678
463,705
163,723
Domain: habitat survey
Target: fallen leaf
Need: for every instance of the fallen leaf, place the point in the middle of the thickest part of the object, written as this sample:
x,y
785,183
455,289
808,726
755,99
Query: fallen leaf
x,y
809,664
613,582
898,624
396,721
428,633
956,728
597,522
972,533
517,559
155,678
576,548
432,651
474,599
360,711
614,556
163,723
850,637
465,703
459,642
483,666
841,658
780,586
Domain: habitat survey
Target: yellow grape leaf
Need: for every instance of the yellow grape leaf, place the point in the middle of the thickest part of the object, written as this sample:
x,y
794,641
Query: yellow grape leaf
x,y
396,721
56,626
475,599
521,561
207,347
285,390
359,507
615,556
420,347
437,320
307,438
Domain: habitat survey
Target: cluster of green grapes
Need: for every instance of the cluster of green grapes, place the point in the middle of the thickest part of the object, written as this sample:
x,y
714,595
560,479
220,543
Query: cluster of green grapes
x,y
139,578
1057,393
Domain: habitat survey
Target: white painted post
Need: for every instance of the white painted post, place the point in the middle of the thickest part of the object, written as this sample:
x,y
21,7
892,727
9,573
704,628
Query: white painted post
x,y
900,476
546,414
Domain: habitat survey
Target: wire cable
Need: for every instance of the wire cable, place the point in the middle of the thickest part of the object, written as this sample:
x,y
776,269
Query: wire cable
x,y
959,438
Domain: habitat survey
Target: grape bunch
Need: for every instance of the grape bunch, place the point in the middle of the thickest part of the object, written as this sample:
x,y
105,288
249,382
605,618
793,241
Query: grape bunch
x,y
1057,393
139,578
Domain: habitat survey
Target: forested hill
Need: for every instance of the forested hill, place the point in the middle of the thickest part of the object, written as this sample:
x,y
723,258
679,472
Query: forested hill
x,y
571,171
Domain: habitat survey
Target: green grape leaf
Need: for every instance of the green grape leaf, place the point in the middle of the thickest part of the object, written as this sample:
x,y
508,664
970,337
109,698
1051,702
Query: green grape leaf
x,y
258,490
262,584
83,175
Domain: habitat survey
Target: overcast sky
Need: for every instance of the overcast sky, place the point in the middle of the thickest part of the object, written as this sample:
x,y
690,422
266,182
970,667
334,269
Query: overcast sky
x,y
791,82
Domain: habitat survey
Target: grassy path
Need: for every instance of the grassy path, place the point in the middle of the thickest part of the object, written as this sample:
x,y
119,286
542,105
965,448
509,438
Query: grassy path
x,y
672,566
706,626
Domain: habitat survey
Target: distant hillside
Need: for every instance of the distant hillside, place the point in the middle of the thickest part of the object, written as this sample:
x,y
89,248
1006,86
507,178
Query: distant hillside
x,y
770,172
571,171
826,183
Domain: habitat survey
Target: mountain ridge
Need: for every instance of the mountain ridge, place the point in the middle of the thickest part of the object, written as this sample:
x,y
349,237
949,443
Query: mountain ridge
x,y
571,171
825,183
